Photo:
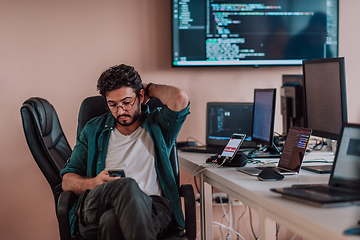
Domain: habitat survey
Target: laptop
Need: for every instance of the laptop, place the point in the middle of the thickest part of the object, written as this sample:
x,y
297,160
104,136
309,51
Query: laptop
x,y
318,168
292,155
222,120
343,187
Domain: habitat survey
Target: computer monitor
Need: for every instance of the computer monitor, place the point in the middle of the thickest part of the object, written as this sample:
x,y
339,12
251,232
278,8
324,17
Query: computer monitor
x,y
264,116
255,33
325,96
292,102
225,118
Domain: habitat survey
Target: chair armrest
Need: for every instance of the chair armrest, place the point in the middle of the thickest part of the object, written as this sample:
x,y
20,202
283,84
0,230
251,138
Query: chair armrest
x,y
187,191
65,202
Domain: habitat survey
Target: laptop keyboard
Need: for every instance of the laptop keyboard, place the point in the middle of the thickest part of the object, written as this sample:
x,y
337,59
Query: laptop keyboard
x,y
278,169
326,190
324,193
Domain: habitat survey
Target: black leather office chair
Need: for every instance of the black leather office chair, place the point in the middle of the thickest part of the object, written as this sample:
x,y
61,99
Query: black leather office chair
x,y
50,150
46,140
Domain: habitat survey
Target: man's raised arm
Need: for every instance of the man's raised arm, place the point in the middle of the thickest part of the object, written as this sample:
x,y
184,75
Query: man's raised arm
x,y
173,97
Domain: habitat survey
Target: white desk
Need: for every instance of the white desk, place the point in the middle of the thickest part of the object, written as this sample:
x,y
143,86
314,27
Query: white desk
x,y
308,221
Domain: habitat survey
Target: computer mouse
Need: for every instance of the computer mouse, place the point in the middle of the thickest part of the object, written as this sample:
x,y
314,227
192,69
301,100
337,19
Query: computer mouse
x,y
269,174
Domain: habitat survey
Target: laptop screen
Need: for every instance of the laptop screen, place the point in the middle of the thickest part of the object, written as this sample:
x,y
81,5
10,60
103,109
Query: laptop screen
x,y
225,118
294,148
346,167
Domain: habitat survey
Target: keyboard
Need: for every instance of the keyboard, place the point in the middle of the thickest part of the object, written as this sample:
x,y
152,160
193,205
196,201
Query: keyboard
x,y
323,192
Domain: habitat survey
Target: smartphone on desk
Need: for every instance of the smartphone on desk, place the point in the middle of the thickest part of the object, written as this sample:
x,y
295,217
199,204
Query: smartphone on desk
x,y
116,172
233,145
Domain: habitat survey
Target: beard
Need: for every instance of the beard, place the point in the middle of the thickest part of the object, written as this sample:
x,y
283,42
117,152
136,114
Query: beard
x,y
131,119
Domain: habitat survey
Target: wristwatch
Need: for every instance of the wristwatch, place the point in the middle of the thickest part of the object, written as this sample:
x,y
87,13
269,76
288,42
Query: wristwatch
x,y
147,89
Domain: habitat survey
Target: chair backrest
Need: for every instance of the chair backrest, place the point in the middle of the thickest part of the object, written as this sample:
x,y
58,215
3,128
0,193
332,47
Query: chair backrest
x,y
91,107
96,106
46,140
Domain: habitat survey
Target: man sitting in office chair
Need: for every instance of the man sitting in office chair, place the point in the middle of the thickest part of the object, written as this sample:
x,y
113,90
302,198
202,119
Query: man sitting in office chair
x,y
141,205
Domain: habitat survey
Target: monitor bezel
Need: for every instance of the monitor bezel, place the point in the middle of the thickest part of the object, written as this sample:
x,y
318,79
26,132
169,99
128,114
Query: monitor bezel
x,y
342,85
271,135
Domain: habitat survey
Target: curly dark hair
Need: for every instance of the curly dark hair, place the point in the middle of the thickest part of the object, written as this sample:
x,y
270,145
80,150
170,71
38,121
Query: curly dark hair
x,y
119,76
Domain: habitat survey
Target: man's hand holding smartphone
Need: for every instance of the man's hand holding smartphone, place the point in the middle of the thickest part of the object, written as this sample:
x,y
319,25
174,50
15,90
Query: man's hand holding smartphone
x,y
116,172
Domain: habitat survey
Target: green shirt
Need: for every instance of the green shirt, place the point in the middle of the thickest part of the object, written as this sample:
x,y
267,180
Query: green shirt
x,y
89,154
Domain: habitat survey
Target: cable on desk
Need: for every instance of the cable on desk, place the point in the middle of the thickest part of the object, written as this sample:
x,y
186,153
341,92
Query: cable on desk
x,y
255,161
276,147
263,164
195,173
253,152
311,148
321,144
197,141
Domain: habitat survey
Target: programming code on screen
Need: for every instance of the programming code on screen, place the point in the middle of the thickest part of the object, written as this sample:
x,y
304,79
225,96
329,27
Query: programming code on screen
x,y
278,31
228,119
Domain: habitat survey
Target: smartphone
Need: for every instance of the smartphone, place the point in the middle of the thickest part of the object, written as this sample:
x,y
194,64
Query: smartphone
x,y
116,173
233,145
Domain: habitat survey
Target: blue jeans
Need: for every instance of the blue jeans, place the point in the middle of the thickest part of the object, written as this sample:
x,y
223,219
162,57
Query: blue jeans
x,y
118,209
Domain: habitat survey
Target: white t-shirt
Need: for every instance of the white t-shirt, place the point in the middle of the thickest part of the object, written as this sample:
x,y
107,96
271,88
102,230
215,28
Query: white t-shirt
x,y
135,154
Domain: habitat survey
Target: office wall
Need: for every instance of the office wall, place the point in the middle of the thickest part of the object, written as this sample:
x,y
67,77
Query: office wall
x,y
57,50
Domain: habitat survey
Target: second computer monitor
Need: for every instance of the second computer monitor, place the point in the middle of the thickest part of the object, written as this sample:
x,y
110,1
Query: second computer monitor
x,y
225,118
325,96
264,116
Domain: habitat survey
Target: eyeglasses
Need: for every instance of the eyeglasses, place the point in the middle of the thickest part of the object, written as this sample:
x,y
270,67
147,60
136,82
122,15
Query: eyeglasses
x,y
125,105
